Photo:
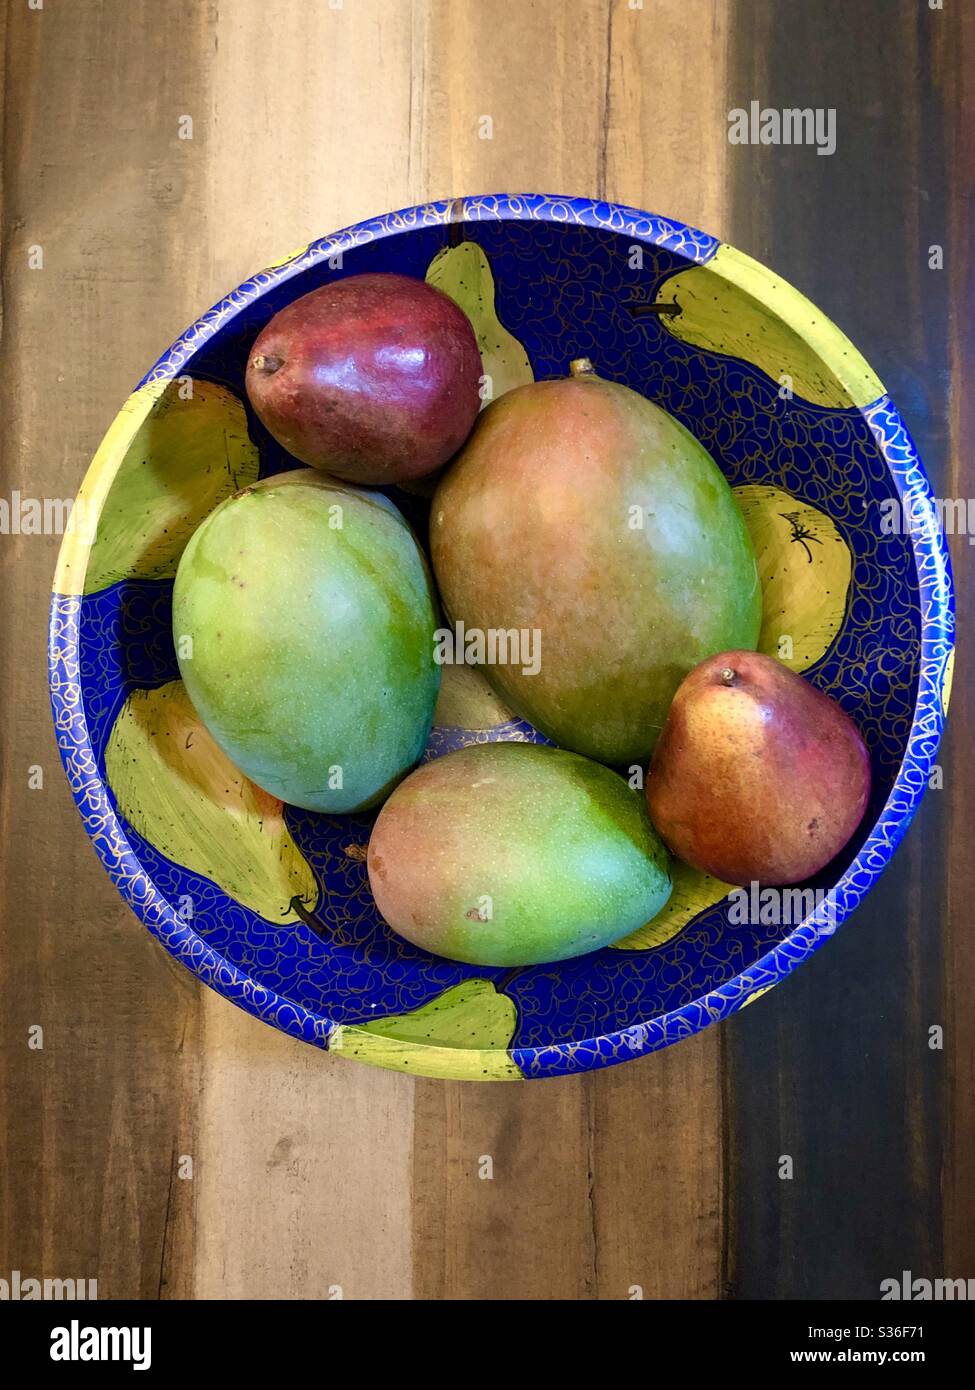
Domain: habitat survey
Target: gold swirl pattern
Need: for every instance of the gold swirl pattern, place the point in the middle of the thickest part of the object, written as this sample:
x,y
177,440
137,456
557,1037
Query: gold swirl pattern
x,y
556,267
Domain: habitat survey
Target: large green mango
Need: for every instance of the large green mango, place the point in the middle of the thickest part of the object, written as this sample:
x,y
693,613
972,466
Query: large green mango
x,y
589,522
515,854
303,619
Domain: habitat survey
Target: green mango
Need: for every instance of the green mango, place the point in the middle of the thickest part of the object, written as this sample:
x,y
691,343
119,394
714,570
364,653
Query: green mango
x,y
694,892
303,618
591,525
463,1034
182,794
512,854
463,273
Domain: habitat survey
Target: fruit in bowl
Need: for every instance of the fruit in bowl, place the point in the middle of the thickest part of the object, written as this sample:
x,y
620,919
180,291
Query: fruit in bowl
x,y
515,854
283,920
303,624
303,621
374,379
757,776
582,510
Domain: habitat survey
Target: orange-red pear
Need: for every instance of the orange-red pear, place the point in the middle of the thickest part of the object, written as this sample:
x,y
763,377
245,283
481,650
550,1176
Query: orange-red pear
x,y
757,775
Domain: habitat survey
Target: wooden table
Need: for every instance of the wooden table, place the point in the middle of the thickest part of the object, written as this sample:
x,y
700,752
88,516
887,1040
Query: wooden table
x,y
311,1175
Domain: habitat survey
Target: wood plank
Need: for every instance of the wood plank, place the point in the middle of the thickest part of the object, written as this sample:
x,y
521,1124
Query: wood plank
x,y
480,1237
303,1173
833,1067
501,1191
959,1192
302,1170
656,1125
309,1171
324,144
584,1202
94,175
658,1194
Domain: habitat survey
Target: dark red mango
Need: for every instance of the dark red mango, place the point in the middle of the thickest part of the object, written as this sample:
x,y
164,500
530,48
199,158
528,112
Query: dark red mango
x,y
374,378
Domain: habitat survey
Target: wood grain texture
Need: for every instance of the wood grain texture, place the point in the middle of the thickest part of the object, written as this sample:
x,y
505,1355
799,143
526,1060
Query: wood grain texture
x,y
301,1170
478,1236
323,143
610,1182
834,1068
311,1175
313,1152
94,177
959,1190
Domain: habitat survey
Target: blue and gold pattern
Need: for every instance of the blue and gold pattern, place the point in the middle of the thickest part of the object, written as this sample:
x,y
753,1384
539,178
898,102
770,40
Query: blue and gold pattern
x,y
567,285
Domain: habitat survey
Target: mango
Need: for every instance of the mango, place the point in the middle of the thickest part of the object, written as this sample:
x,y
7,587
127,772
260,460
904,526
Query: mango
x,y
693,893
467,701
374,378
584,515
512,854
303,618
758,776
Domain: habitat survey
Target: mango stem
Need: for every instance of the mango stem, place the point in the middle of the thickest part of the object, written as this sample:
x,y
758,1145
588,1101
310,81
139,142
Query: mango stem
x,y
266,364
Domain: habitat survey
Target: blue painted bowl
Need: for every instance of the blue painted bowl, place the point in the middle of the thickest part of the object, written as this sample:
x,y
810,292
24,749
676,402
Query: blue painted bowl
x,y
270,905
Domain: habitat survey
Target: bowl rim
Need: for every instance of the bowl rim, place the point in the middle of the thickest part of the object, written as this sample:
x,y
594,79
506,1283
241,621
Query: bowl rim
x,y
177,934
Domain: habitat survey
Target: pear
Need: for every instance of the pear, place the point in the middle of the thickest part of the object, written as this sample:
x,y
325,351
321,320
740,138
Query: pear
x,y
805,567
757,776
182,794
734,306
189,452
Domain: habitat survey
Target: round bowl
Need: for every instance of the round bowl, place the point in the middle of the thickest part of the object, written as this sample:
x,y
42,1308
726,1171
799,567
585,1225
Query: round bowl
x,y
270,905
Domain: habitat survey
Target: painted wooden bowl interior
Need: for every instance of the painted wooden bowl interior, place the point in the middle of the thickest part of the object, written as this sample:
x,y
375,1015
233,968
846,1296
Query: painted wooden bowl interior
x,y
271,905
